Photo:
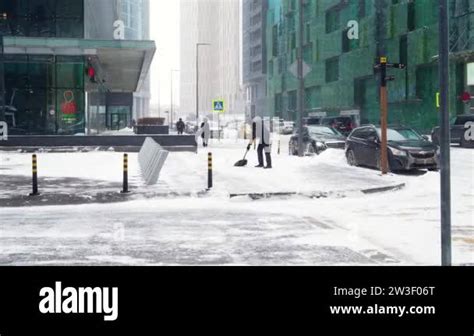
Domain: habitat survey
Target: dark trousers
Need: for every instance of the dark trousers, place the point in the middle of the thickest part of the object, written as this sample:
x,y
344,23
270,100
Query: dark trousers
x,y
260,150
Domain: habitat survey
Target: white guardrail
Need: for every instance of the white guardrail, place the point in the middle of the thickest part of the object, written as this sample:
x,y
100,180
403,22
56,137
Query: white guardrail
x,y
151,159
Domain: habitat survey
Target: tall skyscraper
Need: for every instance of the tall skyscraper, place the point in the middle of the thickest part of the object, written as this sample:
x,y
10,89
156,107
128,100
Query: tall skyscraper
x,y
254,53
218,24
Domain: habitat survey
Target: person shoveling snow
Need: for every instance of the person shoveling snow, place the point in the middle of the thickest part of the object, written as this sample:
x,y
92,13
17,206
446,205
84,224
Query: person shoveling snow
x,y
261,131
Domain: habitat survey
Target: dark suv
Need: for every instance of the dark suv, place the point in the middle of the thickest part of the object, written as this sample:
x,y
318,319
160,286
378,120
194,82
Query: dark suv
x,y
343,124
407,150
458,131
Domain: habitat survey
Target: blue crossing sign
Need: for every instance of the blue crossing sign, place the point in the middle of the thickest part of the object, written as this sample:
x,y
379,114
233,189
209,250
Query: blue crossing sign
x,y
218,106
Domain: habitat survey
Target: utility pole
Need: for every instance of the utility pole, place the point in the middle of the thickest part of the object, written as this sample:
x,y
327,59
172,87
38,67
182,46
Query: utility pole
x,y
172,71
300,99
444,134
382,67
197,80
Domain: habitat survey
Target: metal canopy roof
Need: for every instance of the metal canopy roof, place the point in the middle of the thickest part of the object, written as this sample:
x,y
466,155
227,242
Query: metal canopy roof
x,y
123,65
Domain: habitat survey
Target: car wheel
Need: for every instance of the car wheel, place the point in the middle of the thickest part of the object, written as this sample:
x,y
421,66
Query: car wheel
x,y
350,156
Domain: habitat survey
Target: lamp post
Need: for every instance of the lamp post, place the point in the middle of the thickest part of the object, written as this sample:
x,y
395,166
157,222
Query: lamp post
x,y
168,113
445,160
197,78
3,16
171,98
300,98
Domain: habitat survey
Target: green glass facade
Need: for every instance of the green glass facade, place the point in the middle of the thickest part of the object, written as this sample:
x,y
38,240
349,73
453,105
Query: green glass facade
x,y
44,94
342,76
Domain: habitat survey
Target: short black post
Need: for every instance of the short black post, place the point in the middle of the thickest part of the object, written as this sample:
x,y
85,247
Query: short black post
x,y
209,171
125,174
278,147
34,169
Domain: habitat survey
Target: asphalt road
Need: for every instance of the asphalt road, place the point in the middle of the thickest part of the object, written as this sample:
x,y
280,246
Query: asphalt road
x,y
148,234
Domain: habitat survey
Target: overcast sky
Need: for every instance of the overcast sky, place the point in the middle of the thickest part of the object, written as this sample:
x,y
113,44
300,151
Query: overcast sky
x,y
164,30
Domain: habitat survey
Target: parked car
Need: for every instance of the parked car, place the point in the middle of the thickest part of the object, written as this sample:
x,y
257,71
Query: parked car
x,y
343,124
458,130
312,120
407,150
287,127
316,139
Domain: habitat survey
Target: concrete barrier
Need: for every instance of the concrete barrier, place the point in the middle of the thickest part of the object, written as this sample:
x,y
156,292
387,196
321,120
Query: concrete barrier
x,y
151,159
127,143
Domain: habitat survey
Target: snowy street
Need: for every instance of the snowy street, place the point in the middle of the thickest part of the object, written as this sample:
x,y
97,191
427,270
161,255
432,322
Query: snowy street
x,y
81,218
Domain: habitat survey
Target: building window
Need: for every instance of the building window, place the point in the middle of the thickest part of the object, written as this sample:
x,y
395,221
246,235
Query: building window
x,y
332,20
275,40
308,53
132,16
270,68
312,97
292,100
361,9
292,5
348,44
278,102
292,43
332,69
46,93
411,16
308,33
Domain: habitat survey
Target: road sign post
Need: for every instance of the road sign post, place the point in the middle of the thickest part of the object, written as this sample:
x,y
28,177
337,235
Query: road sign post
x,y
383,115
300,100
218,106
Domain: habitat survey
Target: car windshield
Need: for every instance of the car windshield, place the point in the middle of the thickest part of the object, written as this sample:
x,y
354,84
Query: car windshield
x,y
400,134
322,130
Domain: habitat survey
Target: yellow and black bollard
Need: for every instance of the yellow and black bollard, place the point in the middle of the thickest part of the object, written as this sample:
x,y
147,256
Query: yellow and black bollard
x,y
209,171
34,166
125,174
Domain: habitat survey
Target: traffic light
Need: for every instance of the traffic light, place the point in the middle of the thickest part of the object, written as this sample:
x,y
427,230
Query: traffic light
x,y
90,72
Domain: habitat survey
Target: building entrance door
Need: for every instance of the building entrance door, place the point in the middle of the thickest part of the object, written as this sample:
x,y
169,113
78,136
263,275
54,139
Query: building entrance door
x,y
119,117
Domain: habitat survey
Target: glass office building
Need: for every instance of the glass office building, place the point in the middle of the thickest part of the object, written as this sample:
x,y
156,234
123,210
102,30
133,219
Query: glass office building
x,y
55,79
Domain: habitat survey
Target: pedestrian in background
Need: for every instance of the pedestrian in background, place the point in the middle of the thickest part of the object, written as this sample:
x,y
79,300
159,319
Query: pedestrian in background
x,y
180,126
204,132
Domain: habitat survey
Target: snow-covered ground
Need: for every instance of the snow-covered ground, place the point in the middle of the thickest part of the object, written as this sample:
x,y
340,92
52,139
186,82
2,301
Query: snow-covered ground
x,y
173,223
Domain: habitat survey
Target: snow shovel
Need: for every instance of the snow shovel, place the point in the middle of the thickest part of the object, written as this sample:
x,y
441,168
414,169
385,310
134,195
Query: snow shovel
x,y
243,162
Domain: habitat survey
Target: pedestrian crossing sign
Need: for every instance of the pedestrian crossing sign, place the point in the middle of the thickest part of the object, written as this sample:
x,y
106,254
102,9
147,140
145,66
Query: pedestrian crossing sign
x,y
218,106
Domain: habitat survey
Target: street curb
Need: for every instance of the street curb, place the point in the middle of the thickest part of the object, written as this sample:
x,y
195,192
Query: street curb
x,y
383,189
117,197
319,194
